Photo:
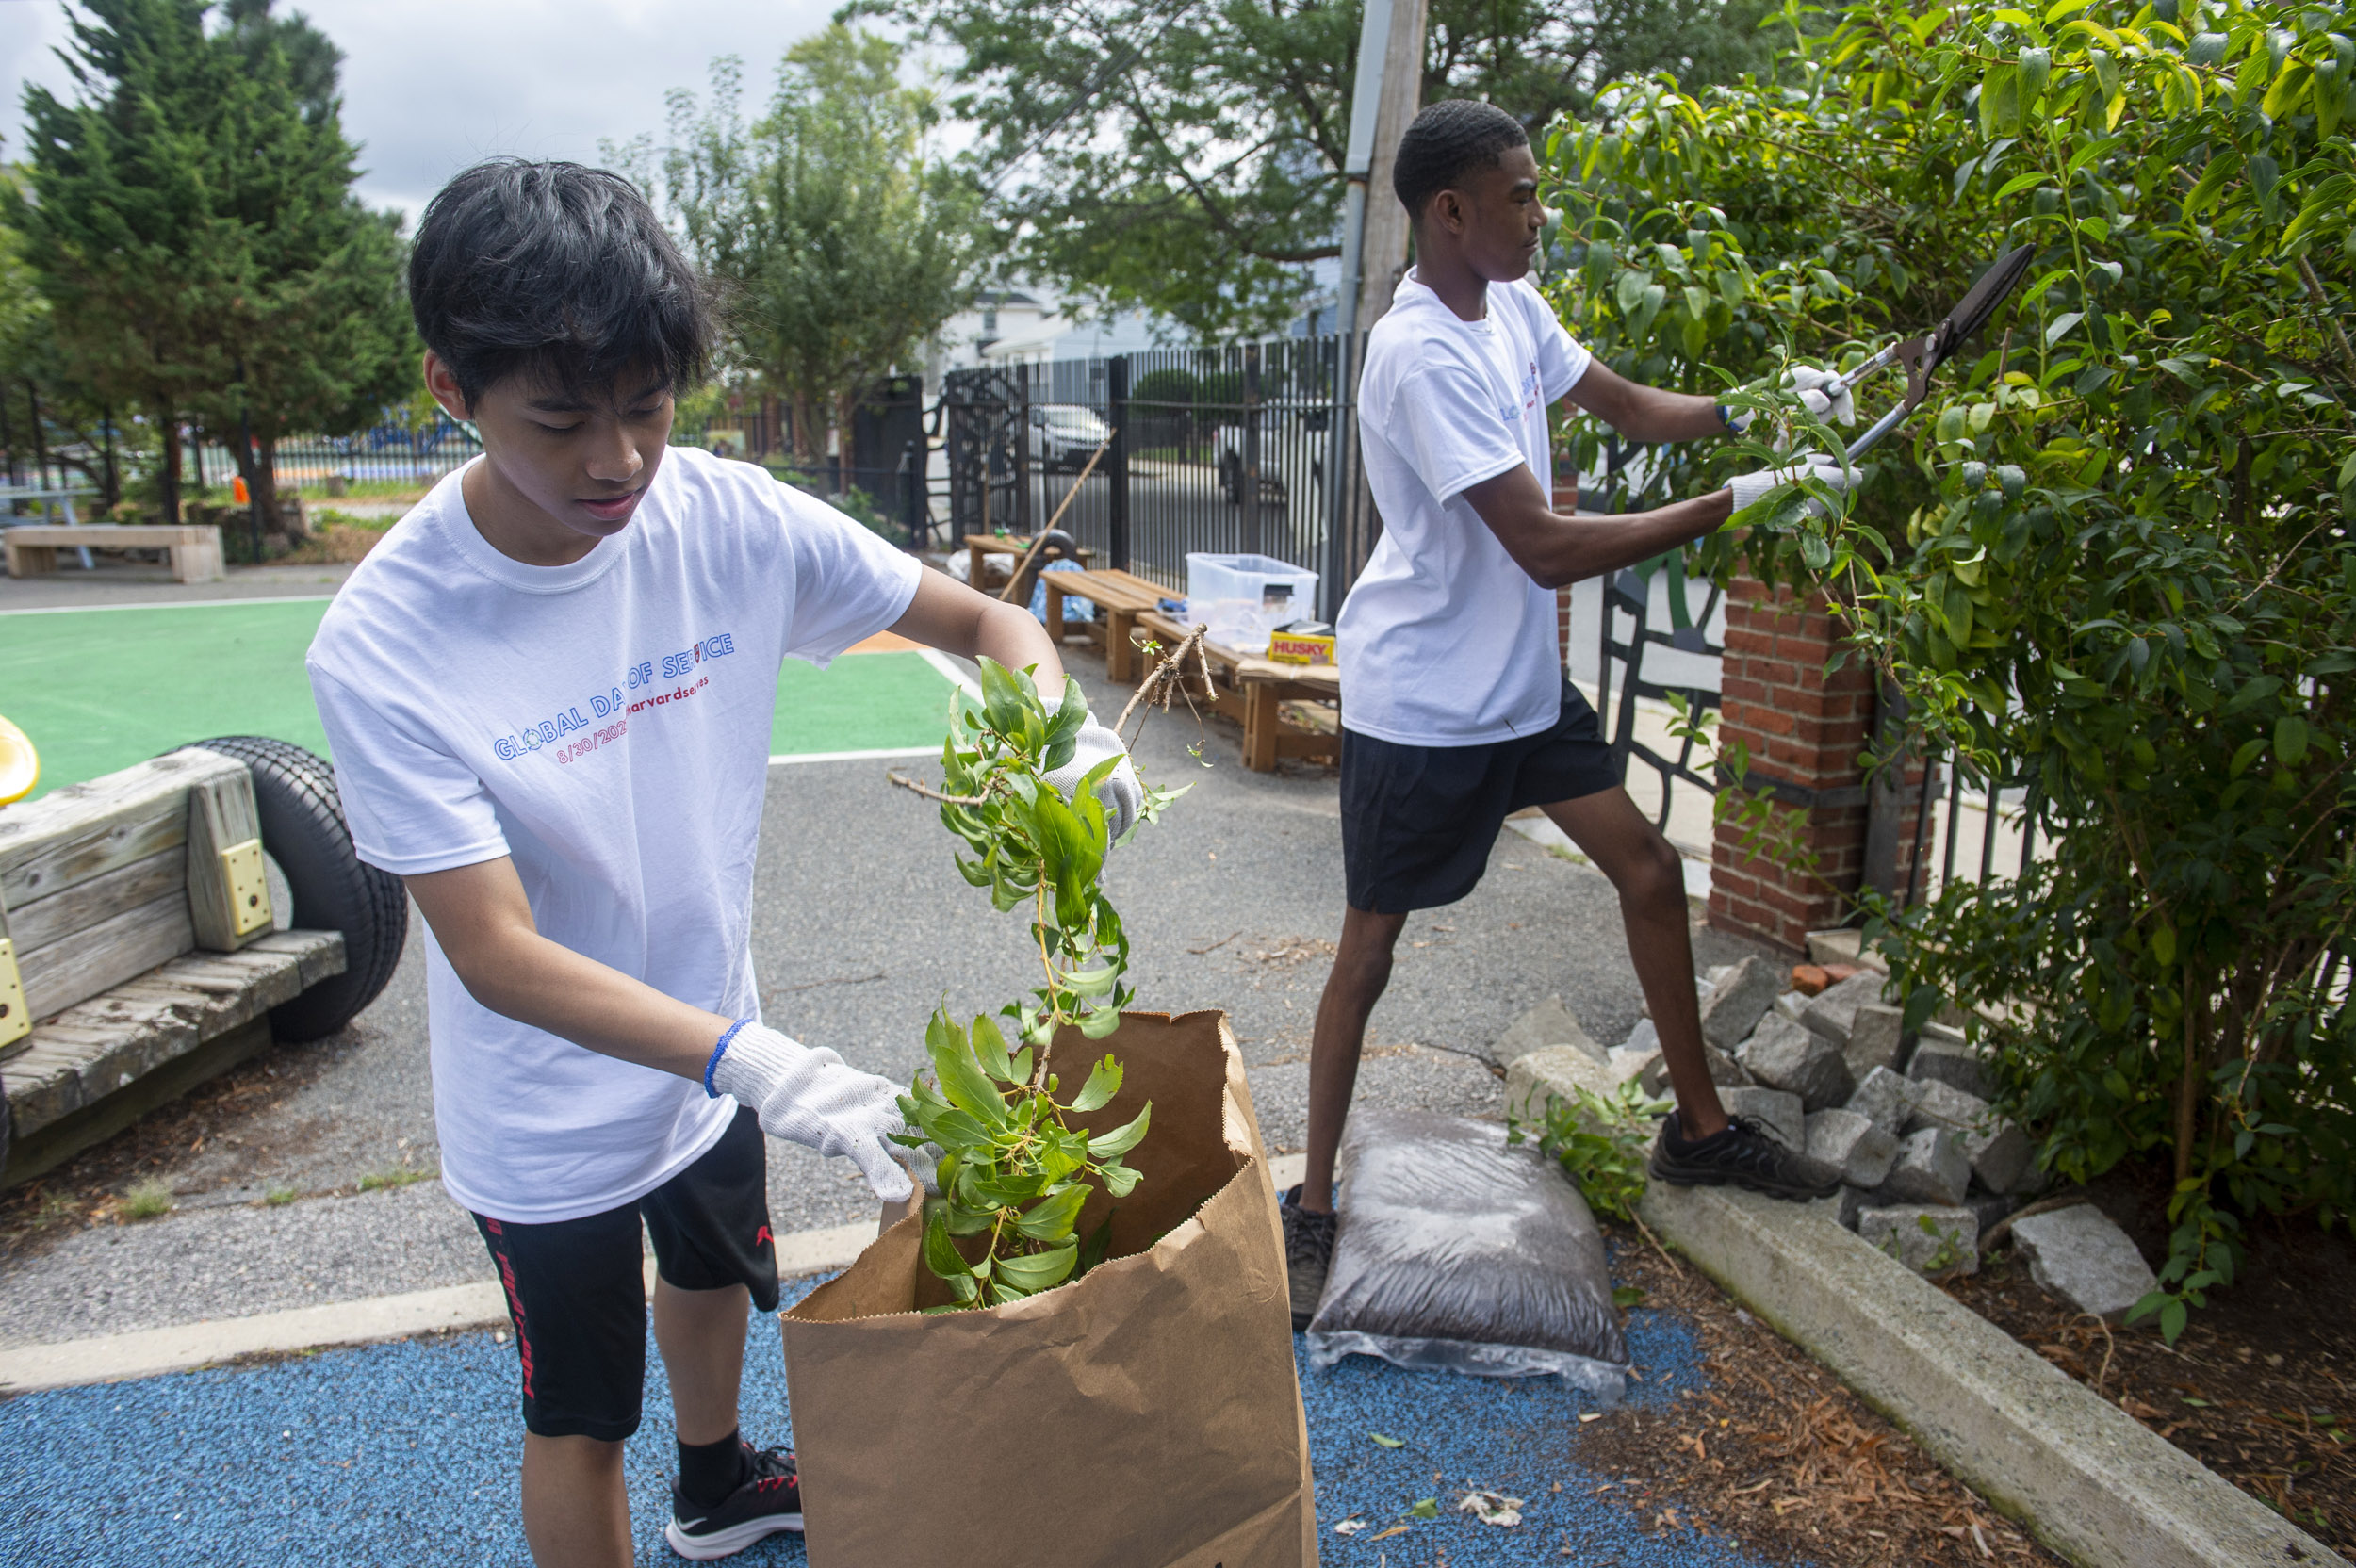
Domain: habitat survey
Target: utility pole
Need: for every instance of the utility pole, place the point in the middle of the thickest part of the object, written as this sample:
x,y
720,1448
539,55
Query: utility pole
x,y
1387,91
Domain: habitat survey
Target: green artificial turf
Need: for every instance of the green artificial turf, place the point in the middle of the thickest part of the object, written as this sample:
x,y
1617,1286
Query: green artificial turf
x,y
99,690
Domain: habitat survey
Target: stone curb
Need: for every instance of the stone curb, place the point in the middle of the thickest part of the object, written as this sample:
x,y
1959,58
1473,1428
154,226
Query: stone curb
x,y
2091,1482
144,1353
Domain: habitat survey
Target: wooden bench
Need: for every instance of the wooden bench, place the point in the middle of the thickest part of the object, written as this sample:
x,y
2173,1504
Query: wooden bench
x,y
140,942
194,548
1121,596
1252,690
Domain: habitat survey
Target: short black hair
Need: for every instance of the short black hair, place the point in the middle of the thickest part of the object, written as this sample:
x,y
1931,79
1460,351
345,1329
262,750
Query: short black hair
x,y
1445,139
557,271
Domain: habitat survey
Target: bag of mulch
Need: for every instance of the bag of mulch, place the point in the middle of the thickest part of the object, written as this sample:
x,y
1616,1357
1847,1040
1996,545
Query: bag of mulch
x,y
1458,1252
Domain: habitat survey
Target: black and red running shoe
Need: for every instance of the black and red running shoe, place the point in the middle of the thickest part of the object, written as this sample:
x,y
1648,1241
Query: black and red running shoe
x,y
768,1500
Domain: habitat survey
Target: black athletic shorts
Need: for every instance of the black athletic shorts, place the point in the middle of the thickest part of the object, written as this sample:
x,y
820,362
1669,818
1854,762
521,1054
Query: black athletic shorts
x,y
1417,822
577,1289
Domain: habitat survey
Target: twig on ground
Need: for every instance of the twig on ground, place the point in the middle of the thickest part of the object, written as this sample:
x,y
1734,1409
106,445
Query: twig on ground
x,y
837,980
1665,1256
1216,945
2003,1228
2110,1347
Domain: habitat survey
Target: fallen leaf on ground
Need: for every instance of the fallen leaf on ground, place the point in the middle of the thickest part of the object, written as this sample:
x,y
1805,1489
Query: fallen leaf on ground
x,y
1384,1535
1388,1442
1428,1508
1350,1526
1492,1509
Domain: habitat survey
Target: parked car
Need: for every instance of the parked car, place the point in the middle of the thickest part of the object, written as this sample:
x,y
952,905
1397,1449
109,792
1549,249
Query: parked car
x,y
1066,435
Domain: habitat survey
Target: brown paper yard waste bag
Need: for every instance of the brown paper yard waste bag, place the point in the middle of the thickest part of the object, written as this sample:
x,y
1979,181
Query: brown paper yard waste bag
x,y
1146,1415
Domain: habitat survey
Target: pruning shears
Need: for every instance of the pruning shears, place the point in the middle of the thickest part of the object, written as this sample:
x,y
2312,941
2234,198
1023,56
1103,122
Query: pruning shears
x,y
1925,355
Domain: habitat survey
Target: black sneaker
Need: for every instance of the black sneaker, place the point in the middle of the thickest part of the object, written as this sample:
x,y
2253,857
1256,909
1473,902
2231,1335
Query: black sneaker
x,y
769,1500
1747,1155
1308,1255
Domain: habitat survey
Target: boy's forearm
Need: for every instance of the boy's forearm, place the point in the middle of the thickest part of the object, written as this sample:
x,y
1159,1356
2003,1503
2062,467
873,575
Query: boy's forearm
x,y
1645,413
1558,549
948,616
484,925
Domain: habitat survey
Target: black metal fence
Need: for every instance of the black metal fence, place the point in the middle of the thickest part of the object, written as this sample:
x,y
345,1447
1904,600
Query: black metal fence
x,y
1243,449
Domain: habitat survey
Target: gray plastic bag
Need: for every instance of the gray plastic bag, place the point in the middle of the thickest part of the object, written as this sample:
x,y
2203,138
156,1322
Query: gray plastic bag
x,y
1457,1252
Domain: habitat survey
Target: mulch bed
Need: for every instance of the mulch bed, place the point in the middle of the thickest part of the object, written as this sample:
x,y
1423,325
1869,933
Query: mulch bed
x,y
1775,1453
2262,1386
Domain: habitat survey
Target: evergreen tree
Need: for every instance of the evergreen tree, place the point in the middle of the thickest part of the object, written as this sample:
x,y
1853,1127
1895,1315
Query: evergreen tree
x,y
192,223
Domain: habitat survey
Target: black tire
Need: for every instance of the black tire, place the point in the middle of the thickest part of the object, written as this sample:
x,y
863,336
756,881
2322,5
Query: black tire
x,y
304,830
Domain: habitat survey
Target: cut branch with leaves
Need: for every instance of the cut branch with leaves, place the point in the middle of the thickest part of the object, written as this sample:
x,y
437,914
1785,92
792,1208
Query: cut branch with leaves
x,y
1014,1169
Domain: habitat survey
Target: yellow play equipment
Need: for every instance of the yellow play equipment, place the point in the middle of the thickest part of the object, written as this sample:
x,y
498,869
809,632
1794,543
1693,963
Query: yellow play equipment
x,y
20,764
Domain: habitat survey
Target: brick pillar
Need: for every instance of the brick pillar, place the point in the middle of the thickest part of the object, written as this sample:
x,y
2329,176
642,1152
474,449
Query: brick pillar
x,y
1804,728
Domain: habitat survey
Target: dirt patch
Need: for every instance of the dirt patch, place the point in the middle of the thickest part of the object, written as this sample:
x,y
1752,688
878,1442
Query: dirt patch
x,y
1777,1454
2261,1388
89,1189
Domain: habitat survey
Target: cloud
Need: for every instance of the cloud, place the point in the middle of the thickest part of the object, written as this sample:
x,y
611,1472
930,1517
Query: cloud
x,y
431,86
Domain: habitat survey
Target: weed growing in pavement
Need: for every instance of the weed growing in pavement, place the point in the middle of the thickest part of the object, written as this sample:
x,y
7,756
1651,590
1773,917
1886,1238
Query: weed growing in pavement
x,y
280,1197
398,1178
1600,1140
146,1200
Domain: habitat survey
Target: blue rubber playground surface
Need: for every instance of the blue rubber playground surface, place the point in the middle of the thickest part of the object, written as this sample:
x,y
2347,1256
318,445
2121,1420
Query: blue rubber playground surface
x,y
405,1453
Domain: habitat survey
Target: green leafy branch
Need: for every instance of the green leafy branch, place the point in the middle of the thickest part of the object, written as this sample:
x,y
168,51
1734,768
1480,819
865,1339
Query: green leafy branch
x,y
1014,1171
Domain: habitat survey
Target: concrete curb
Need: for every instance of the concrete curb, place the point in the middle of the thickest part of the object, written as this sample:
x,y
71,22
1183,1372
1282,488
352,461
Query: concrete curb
x,y
2092,1483
114,1358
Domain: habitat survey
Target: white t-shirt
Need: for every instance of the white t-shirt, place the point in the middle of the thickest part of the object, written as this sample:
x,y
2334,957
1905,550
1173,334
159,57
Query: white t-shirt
x,y
1444,641
606,723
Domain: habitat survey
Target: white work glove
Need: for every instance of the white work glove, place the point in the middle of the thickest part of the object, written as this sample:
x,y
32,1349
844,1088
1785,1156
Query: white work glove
x,y
1835,406
1749,489
814,1098
1119,791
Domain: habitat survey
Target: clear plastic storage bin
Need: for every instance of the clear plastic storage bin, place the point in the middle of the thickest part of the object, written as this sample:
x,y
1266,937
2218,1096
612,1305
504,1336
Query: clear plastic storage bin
x,y
1242,598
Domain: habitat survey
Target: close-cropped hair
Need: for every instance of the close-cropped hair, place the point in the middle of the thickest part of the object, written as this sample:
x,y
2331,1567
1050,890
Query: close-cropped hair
x,y
1444,141
558,272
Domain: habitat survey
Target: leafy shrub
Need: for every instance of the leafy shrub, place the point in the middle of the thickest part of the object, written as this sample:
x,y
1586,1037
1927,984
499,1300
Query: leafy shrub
x,y
2113,549
1601,1141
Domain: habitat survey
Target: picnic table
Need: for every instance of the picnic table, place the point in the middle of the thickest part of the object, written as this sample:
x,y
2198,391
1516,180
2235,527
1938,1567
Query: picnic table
x,y
1244,687
979,548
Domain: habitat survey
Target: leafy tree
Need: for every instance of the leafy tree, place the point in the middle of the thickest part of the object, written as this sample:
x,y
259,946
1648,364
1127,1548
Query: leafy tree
x,y
1188,159
190,221
43,414
2113,552
840,240
314,64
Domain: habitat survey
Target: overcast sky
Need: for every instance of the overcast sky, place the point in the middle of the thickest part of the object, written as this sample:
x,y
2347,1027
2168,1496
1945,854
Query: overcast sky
x,y
429,86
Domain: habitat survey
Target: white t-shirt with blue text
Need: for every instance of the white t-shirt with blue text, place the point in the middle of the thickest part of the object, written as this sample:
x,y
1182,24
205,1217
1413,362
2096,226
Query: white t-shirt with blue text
x,y
1444,641
605,724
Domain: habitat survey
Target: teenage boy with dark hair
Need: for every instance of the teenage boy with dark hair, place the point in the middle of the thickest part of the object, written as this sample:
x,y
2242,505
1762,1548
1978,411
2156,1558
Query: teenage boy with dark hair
x,y
550,692
1459,711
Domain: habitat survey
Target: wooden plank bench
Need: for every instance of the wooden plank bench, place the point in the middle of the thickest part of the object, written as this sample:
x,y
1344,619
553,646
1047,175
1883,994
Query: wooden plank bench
x,y
194,549
139,941
1252,690
1121,596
